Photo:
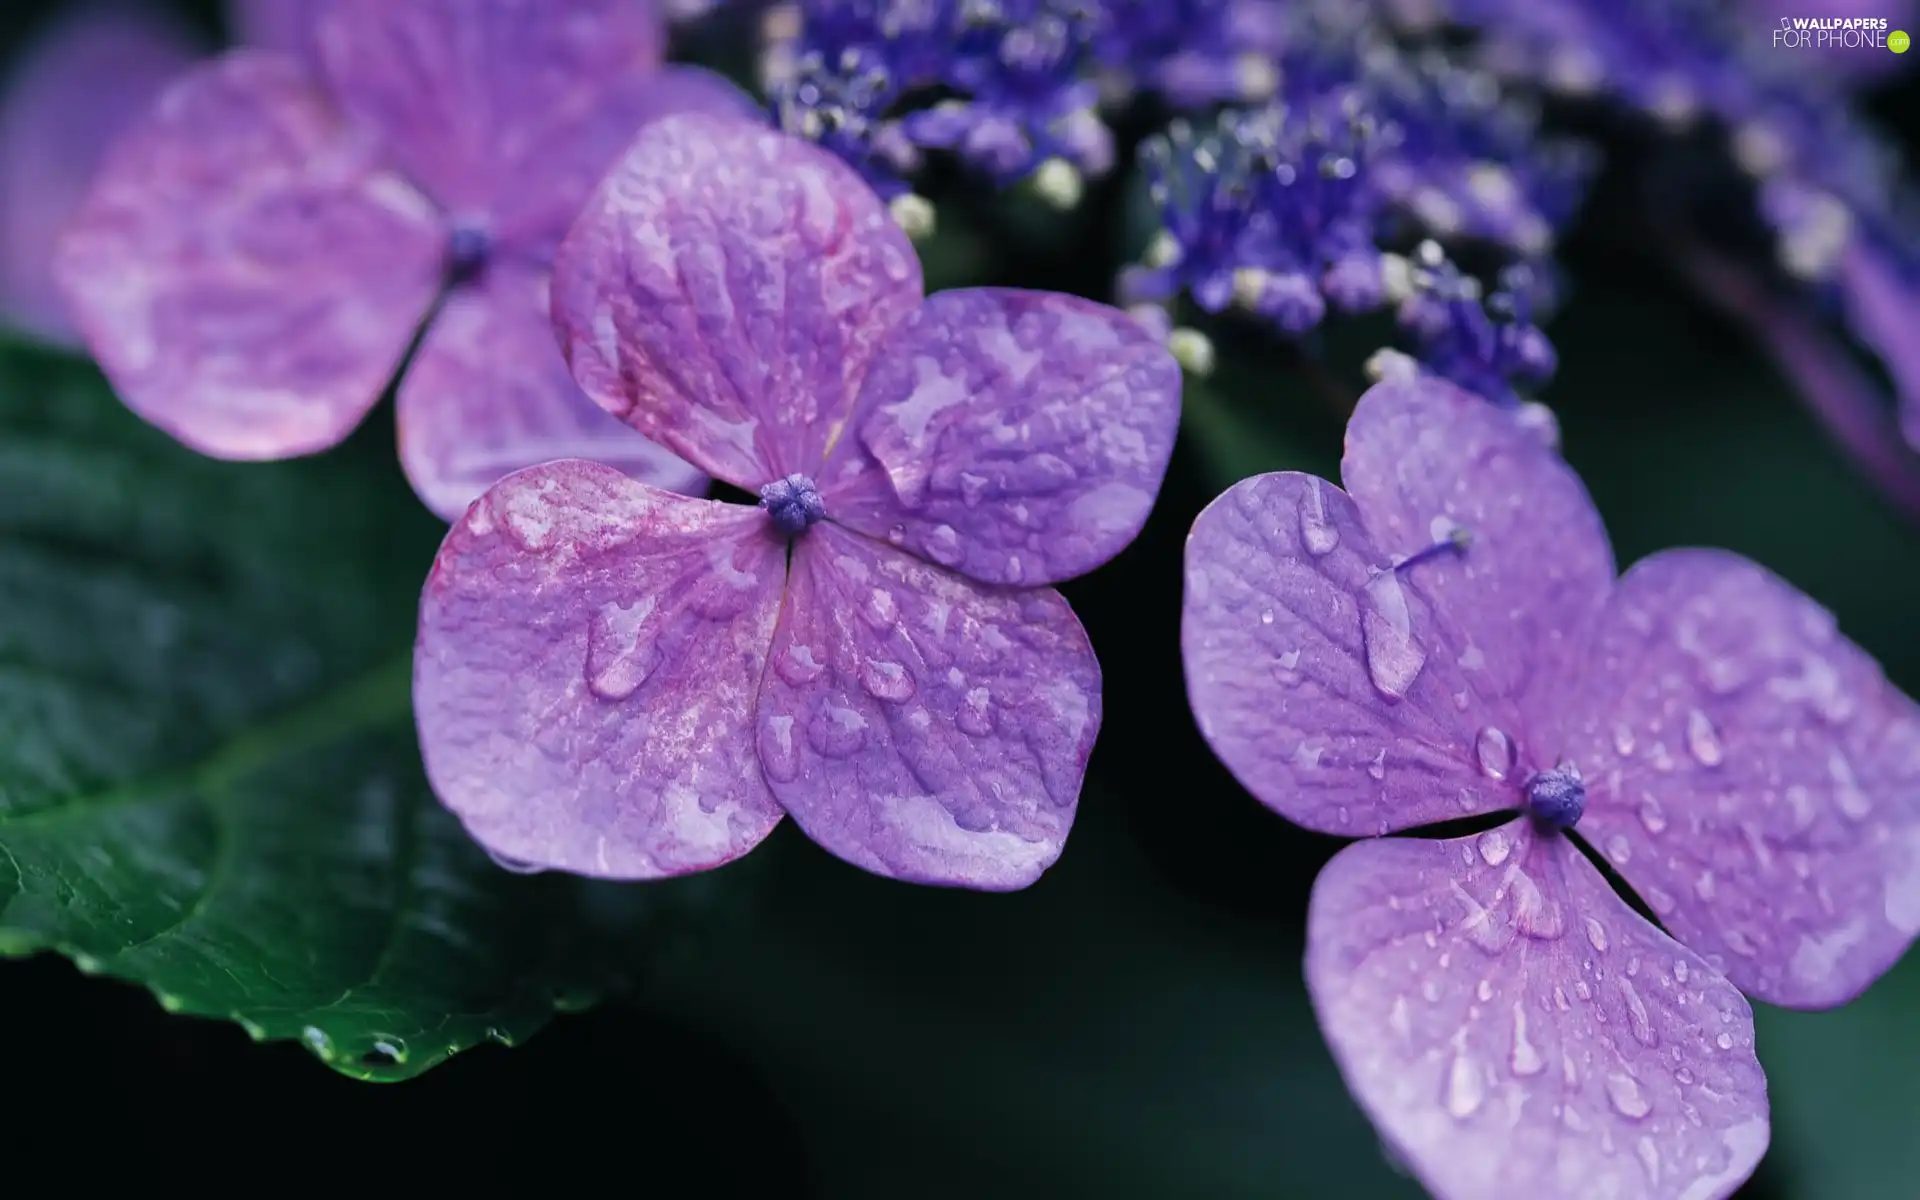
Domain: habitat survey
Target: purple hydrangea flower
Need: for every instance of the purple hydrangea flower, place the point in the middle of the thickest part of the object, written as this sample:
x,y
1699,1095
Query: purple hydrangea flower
x,y
1446,639
259,252
620,682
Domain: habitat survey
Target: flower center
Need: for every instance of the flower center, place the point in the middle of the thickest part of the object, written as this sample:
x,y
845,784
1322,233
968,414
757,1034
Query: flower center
x,y
1557,798
793,504
469,245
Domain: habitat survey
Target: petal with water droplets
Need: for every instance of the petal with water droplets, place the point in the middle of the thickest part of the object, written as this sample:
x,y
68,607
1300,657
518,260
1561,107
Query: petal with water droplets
x,y
1424,459
1016,437
481,102
488,394
1500,1052
75,89
1769,810
921,726
725,289
245,272
588,655
1325,683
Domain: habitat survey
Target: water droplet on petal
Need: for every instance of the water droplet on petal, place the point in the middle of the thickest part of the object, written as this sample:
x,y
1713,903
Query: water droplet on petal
x,y
799,666
1317,533
1657,899
1652,817
1623,741
777,758
622,649
1848,795
1703,740
1377,766
1465,1087
1649,1155
880,610
838,731
516,865
1286,668
975,717
1394,657
897,534
1638,1019
1484,990
1628,1100
1597,934
887,681
1724,1041
1266,616
1494,846
1683,1077
1740,943
1619,849
1494,751
1681,970
942,545
1526,1058
1399,1019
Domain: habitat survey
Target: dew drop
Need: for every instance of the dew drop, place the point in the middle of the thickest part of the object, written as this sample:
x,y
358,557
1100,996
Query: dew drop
x,y
1394,657
317,1041
1526,1058
1377,766
1494,846
1658,900
1705,886
880,610
1317,533
1430,991
1649,1155
1638,1020
1724,1041
516,865
897,534
1652,817
1683,1077
622,651
799,666
1740,943
1597,934
975,717
1484,990
1619,849
1623,741
942,545
1703,740
1266,616
1399,1019
1465,1087
1627,1098
1286,668
1681,970
887,681
838,731
777,757
1848,795
1493,749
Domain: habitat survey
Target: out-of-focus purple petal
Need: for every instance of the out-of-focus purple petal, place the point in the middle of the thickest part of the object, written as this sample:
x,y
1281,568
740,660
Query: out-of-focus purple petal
x,y
488,394
283,25
1883,310
1753,775
543,189
921,726
1514,1029
1426,461
585,673
243,270
473,96
78,87
1323,679
724,291
1016,437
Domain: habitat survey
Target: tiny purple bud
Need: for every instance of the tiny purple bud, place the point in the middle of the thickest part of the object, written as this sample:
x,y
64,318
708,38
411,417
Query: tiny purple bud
x,y
793,503
1557,798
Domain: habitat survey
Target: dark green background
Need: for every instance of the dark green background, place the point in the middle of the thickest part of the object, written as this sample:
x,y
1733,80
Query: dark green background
x,y
1135,1024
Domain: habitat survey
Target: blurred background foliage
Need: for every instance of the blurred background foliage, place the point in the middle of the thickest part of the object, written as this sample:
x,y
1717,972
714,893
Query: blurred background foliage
x,y
1135,1024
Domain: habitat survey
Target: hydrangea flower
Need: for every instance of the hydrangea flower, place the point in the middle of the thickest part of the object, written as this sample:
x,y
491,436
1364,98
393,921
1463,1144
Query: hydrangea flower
x,y
1446,639
620,682
259,252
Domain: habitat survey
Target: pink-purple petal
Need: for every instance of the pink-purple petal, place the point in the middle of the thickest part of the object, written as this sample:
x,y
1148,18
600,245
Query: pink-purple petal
x,y
473,97
1016,437
588,656
487,394
921,726
1753,776
1514,1029
78,87
543,191
1324,681
245,272
725,289
1425,459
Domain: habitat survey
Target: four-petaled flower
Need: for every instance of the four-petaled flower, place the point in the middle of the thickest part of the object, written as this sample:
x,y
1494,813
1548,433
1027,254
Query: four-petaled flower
x,y
617,681
1446,639
258,253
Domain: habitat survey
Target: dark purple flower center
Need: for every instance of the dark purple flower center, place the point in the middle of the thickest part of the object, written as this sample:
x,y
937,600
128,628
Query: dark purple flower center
x,y
1557,798
469,245
793,503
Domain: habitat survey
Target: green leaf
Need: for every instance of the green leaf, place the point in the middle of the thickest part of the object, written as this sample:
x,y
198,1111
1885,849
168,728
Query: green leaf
x,y
209,782
1094,1035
